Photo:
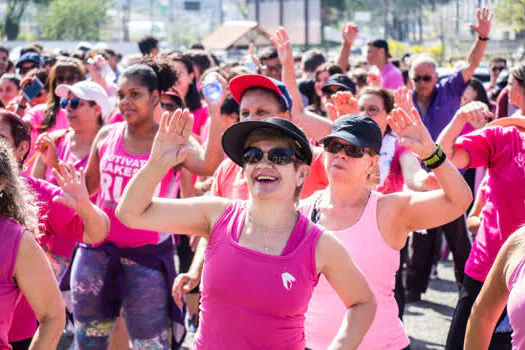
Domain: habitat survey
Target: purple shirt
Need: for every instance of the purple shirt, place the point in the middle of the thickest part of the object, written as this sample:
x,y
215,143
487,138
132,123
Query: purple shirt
x,y
446,100
392,77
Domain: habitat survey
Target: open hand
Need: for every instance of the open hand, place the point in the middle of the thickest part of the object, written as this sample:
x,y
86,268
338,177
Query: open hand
x,y
412,132
282,43
73,184
484,17
403,99
350,32
343,103
170,146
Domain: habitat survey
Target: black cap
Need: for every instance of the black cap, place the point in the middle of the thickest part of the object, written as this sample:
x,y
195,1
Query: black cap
x,y
381,44
357,130
339,80
234,138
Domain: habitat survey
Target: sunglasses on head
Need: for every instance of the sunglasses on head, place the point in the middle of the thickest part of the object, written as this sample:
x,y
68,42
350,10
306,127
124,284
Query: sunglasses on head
x,y
333,146
74,103
425,78
278,155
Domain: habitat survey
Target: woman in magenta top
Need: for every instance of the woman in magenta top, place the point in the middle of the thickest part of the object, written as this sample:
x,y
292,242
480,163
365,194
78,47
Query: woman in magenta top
x,y
23,264
131,263
263,257
504,286
502,151
373,225
48,117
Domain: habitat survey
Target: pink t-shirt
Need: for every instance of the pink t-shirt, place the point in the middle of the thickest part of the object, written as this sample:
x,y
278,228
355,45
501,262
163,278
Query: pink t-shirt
x,y
392,77
9,292
252,300
516,305
229,181
502,152
117,167
35,117
327,311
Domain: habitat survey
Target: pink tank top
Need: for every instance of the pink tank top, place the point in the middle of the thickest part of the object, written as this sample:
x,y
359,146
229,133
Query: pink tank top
x,y
59,245
252,300
379,263
9,292
117,166
516,305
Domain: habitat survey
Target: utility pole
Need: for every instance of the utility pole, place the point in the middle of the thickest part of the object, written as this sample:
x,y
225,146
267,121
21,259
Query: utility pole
x,y
385,19
126,17
306,25
221,13
281,13
257,10
151,14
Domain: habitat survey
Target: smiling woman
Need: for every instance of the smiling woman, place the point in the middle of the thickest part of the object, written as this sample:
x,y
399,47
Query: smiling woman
x,y
263,256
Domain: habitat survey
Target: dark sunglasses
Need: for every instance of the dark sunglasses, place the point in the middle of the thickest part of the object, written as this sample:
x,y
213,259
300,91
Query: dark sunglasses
x,y
333,146
425,78
170,107
69,79
25,70
74,103
329,93
278,155
276,68
497,69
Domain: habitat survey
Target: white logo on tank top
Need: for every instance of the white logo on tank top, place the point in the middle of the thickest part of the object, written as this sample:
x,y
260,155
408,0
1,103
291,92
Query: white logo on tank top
x,y
288,280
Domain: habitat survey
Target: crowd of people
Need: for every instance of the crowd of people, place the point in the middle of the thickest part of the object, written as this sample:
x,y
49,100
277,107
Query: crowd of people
x,y
261,204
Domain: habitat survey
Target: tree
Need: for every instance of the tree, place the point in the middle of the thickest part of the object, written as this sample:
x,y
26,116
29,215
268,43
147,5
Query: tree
x,y
73,20
14,12
511,12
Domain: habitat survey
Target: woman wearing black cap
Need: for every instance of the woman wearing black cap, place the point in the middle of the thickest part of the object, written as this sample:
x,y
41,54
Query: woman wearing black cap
x,y
373,226
263,257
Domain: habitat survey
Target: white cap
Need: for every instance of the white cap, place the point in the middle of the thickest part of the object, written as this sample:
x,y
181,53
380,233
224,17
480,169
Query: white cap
x,y
89,91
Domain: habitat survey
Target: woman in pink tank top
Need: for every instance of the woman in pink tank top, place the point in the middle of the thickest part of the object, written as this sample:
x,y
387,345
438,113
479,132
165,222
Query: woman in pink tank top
x,y
138,262
373,225
23,265
263,258
504,286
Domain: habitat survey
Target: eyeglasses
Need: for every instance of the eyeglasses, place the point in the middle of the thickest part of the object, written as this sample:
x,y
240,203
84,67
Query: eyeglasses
x,y
425,78
27,69
74,103
276,68
170,107
332,146
370,111
497,69
278,155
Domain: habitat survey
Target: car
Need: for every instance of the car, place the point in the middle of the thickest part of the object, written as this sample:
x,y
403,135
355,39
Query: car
x,y
480,73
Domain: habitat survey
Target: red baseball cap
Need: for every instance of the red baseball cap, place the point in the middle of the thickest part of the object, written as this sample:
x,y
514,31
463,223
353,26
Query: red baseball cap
x,y
241,83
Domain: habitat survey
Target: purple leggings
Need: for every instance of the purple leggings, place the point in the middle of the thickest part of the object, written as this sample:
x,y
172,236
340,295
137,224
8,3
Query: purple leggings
x,y
145,303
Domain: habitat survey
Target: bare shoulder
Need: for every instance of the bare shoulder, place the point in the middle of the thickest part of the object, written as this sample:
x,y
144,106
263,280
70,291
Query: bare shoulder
x,y
329,248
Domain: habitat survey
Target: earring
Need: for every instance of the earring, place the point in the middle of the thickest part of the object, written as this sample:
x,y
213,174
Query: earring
x,y
2,194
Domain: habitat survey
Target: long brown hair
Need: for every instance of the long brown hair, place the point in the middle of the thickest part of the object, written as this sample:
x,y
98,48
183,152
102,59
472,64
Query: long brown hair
x,y
65,64
16,202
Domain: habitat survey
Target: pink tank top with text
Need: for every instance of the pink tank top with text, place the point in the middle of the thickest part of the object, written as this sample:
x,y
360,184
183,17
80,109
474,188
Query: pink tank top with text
x,y
379,263
516,305
252,300
117,167
9,293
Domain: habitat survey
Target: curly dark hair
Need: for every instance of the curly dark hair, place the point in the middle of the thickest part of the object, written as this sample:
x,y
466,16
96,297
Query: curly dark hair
x,y
16,201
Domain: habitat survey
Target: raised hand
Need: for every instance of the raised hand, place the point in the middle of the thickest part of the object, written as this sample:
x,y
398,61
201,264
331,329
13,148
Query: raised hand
x,y
350,32
476,113
374,80
484,17
46,146
281,41
218,103
403,99
73,184
343,103
170,146
412,132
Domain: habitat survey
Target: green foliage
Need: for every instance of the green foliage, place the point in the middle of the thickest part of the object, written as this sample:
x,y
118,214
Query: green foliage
x,y
398,49
511,12
73,20
14,11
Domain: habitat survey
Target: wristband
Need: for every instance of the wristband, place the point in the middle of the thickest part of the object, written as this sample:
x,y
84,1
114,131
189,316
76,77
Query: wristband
x,y
483,39
436,159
